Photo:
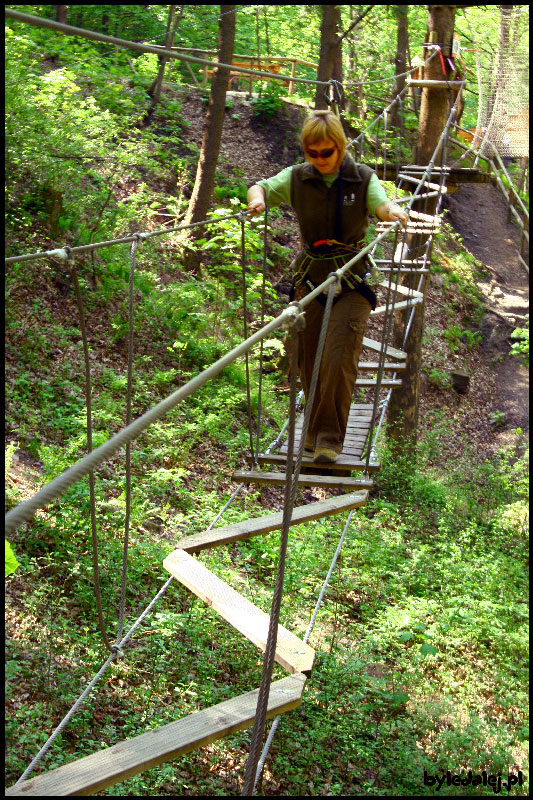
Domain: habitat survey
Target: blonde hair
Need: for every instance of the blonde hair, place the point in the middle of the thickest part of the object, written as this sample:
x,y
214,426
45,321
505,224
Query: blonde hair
x,y
321,125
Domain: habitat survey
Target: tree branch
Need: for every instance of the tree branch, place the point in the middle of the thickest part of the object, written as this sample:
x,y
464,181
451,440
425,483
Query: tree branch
x,y
352,26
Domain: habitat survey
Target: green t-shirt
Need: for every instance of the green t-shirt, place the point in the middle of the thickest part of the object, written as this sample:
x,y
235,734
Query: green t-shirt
x,y
278,189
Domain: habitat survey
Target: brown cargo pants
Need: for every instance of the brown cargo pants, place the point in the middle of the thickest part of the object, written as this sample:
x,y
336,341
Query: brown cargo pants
x,y
338,370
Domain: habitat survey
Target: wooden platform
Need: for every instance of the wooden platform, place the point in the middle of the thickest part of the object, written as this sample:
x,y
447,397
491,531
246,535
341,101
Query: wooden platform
x,y
241,531
91,774
454,175
324,481
291,653
357,430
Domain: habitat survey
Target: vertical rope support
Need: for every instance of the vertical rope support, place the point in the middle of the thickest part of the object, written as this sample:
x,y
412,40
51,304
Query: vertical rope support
x,y
261,349
387,329
245,331
385,122
133,251
88,401
268,663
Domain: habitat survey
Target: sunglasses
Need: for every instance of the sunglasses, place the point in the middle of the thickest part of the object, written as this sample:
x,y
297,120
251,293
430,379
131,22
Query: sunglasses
x,y
321,153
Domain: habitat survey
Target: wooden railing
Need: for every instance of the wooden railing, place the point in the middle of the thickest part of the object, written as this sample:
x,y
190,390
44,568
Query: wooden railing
x,y
262,64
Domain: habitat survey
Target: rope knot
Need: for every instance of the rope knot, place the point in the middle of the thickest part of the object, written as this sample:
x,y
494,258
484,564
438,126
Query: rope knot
x,y
338,275
59,253
295,316
140,238
117,650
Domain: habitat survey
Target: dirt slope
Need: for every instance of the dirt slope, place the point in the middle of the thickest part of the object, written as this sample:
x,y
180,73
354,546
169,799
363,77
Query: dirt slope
x,y
478,212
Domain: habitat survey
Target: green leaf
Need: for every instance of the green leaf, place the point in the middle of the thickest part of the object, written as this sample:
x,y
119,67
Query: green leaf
x,y
399,698
11,561
428,650
406,636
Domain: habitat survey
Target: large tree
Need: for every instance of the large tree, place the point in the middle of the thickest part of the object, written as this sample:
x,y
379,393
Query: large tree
x,y
400,61
155,89
434,110
330,59
207,162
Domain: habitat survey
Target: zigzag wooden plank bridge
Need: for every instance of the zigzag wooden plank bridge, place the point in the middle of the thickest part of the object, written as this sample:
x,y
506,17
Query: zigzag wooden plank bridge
x,y
132,756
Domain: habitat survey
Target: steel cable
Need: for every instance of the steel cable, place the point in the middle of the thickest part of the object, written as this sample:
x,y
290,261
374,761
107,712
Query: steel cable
x,y
70,30
88,402
133,251
291,485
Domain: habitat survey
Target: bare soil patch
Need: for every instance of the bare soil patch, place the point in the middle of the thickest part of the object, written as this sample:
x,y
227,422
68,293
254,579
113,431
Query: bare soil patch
x,y
478,212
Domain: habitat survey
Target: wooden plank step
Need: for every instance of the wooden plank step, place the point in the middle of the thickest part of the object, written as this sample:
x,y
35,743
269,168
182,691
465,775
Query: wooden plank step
x,y
291,652
412,262
402,270
399,287
240,531
416,227
373,382
429,84
432,218
345,461
374,365
96,772
410,179
325,481
422,168
393,352
396,306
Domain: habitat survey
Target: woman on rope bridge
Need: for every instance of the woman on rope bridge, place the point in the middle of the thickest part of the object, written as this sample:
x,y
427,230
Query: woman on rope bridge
x,y
332,197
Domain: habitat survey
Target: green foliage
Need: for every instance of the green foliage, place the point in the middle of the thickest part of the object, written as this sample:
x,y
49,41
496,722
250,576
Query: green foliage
x,y
268,102
439,378
454,335
520,348
11,561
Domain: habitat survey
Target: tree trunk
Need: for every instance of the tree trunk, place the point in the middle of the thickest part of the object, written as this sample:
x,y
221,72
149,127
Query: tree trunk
x,y
354,100
404,404
434,105
400,61
205,175
265,17
329,42
61,14
155,89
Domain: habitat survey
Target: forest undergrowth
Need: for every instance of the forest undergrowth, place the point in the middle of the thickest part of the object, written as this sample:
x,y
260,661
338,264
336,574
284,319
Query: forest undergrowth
x,y
422,638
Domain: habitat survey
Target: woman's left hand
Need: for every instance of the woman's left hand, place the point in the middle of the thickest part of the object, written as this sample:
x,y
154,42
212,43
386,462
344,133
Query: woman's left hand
x,y
392,212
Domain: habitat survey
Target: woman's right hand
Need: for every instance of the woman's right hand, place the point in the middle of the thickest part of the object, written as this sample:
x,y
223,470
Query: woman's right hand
x,y
256,206
256,199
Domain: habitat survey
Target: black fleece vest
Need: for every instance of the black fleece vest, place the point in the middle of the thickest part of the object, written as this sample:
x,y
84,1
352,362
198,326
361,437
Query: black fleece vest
x,y
315,204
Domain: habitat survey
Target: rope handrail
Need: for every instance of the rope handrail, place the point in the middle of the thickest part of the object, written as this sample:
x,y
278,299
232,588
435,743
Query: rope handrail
x,y
25,510
71,30
42,22
61,253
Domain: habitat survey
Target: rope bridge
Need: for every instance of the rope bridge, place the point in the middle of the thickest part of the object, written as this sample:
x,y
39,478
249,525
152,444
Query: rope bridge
x,y
405,255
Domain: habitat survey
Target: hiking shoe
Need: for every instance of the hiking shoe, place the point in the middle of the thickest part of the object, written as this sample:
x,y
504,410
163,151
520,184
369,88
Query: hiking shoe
x,y
323,455
308,447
